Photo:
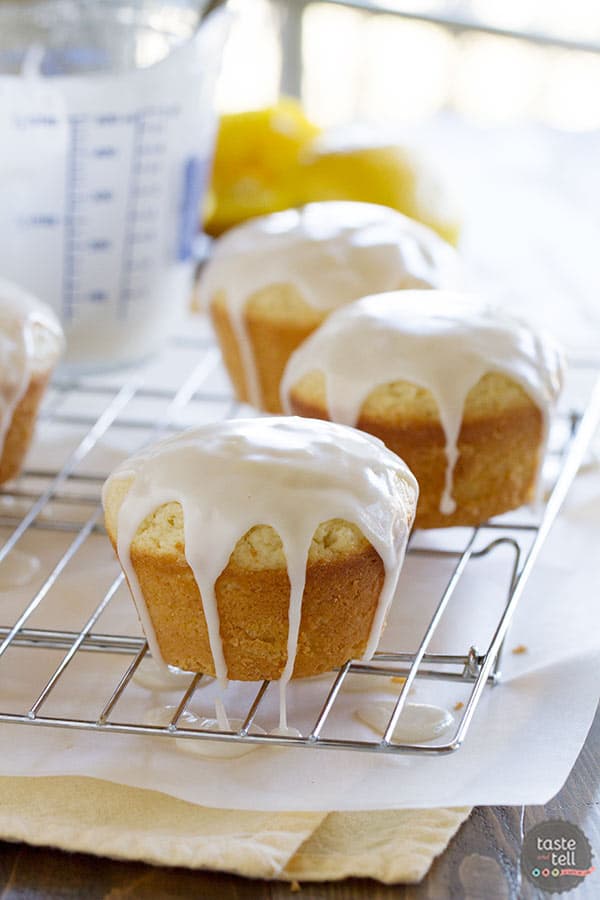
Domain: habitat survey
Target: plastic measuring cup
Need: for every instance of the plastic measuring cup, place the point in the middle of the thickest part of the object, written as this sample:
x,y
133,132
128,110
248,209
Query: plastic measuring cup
x,y
107,127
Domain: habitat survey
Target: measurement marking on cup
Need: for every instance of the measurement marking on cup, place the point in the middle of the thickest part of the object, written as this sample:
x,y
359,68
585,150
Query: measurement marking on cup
x,y
40,220
125,279
108,119
146,168
139,265
100,152
144,193
98,145
153,150
72,221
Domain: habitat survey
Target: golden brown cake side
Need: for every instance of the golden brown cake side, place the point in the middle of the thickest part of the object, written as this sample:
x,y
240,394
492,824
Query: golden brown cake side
x,y
20,430
343,582
499,443
277,320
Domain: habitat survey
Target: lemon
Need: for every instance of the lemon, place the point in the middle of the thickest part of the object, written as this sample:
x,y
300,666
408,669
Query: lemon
x,y
274,158
255,168
380,173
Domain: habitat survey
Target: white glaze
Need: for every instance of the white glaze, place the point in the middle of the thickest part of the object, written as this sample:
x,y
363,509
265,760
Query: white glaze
x,y
220,711
442,341
419,722
286,731
30,340
17,569
220,749
290,473
332,253
162,715
155,677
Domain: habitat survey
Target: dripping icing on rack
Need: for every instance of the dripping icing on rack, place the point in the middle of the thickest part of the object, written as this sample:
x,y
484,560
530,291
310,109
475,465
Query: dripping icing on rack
x,y
331,253
439,340
162,715
290,473
419,721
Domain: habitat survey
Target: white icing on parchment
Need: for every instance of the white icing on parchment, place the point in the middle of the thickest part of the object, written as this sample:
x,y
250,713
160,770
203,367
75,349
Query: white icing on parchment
x,y
23,349
289,473
332,253
439,340
162,715
418,722
18,569
155,677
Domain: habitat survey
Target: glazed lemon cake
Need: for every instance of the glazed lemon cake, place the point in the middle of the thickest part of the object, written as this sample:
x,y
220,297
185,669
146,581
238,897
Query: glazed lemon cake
x,y
459,390
31,342
273,280
262,548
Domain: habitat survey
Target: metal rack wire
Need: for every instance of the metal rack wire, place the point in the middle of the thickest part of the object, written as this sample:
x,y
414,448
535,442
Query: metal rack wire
x,y
66,501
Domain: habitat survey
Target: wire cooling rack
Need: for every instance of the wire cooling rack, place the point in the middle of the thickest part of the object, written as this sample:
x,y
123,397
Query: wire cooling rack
x,y
64,499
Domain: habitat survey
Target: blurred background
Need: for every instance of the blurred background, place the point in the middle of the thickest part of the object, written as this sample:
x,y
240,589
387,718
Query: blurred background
x,y
497,101
502,95
491,61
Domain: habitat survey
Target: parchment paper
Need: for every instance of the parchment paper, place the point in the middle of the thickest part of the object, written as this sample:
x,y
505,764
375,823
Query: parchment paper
x,y
524,739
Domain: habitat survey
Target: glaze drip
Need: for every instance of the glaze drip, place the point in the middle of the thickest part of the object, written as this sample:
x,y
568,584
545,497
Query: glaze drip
x,y
163,678
439,340
289,473
23,320
332,253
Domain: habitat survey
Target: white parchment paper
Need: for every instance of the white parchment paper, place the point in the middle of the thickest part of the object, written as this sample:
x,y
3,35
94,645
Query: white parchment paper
x,y
532,226
524,739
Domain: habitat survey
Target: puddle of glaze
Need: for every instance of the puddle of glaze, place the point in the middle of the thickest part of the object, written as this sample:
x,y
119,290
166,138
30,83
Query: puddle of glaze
x,y
219,749
287,731
418,722
13,506
162,715
18,569
156,678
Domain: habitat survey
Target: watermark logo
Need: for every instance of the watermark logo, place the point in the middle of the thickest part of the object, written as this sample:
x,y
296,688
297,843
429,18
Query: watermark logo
x,y
556,856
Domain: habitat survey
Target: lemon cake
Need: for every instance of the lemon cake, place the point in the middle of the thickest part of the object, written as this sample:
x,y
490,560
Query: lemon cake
x,y
461,391
262,548
273,280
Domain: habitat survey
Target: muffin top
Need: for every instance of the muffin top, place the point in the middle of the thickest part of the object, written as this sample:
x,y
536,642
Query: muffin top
x,y
441,341
31,340
331,252
292,474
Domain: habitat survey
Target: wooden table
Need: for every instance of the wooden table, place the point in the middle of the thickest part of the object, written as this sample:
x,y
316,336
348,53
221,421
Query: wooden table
x,y
481,863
